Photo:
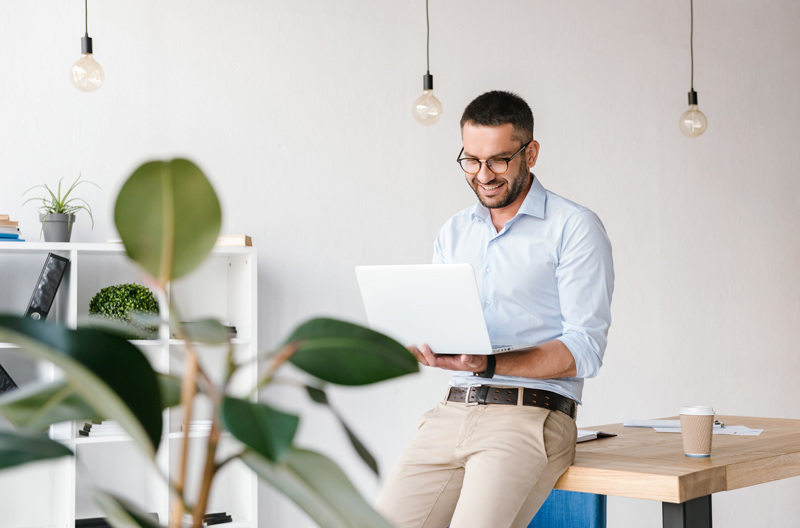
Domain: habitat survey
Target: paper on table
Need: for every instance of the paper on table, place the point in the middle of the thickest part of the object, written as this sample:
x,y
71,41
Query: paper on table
x,y
739,430
662,424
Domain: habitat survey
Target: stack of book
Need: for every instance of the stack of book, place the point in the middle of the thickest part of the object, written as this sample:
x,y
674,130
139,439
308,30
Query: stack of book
x,y
197,426
97,428
9,229
209,519
102,522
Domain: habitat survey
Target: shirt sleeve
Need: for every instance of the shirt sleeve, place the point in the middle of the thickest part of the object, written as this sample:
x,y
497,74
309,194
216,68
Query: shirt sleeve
x,y
438,248
585,277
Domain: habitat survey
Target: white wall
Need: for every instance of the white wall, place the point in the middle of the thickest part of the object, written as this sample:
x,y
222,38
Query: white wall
x,y
299,112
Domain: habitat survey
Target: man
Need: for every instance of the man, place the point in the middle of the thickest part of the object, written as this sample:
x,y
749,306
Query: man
x,y
545,274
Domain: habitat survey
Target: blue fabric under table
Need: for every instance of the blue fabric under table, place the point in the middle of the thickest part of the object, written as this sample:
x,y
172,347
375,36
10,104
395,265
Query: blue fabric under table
x,y
571,509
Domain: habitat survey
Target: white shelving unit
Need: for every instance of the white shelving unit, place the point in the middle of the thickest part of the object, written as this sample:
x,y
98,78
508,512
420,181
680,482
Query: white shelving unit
x,y
54,494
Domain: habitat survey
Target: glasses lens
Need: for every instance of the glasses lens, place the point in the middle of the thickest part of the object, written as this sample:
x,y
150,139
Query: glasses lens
x,y
470,166
497,166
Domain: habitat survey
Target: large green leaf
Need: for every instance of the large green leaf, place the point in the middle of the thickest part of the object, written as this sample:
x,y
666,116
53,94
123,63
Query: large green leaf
x,y
107,372
17,449
319,396
266,430
35,407
206,331
121,513
349,354
317,485
169,217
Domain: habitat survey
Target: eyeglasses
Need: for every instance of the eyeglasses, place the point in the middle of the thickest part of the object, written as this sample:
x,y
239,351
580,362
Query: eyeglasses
x,y
496,165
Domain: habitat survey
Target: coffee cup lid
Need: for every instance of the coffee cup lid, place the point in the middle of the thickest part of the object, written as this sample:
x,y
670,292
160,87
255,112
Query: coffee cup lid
x,y
697,410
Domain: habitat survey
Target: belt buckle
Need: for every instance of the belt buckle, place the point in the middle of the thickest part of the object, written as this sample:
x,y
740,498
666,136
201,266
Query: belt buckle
x,y
470,388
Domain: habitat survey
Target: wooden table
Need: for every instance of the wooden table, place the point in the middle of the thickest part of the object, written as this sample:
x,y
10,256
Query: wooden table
x,y
643,464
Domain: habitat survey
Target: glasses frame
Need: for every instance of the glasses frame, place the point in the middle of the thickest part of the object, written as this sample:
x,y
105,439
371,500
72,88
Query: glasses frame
x,y
481,162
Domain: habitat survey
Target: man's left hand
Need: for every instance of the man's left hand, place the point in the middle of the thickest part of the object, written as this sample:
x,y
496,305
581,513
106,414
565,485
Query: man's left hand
x,y
426,356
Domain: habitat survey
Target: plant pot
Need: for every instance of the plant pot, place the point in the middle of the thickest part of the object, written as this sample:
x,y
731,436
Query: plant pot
x,y
57,227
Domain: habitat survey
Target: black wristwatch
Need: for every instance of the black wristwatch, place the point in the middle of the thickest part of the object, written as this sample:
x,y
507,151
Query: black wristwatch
x,y
491,363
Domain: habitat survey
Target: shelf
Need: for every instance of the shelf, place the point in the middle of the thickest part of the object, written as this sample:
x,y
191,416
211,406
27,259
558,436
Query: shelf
x,y
224,287
108,248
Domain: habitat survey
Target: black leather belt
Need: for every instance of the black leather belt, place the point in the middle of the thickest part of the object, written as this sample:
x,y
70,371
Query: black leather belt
x,y
486,394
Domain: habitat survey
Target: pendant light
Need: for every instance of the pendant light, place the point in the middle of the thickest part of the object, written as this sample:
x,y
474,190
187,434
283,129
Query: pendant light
x,y
427,109
693,122
86,74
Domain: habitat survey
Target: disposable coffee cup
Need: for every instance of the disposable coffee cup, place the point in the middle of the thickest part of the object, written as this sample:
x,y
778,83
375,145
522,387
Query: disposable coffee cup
x,y
697,428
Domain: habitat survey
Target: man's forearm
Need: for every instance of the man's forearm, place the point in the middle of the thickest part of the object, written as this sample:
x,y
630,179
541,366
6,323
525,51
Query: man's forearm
x,y
548,360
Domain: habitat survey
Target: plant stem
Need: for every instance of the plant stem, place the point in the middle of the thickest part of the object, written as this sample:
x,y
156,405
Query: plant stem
x,y
209,472
188,391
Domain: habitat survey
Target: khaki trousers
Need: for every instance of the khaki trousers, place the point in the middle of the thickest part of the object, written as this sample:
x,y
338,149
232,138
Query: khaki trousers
x,y
482,466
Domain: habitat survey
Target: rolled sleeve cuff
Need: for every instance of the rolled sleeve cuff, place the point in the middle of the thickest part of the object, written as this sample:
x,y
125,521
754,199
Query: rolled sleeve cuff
x,y
586,352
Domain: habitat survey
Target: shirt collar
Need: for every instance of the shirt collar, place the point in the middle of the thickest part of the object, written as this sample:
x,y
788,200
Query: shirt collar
x,y
532,205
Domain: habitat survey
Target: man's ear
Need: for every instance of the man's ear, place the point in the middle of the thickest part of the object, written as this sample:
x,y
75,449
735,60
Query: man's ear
x,y
532,153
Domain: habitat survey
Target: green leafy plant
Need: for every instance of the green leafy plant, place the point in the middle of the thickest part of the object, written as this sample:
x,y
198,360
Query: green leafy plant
x,y
126,303
169,217
54,202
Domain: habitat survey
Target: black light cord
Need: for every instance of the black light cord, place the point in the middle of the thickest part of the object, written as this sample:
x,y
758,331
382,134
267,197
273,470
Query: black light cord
x,y
428,23
691,38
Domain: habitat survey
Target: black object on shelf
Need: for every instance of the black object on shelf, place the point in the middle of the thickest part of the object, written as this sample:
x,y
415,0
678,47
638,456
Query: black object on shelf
x,y
6,383
47,287
101,522
211,519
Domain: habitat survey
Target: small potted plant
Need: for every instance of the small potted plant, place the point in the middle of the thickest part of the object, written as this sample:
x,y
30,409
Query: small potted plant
x,y
57,210
127,303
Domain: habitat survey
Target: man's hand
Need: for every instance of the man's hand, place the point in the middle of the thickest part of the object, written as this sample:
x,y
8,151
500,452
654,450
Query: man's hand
x,y
425,355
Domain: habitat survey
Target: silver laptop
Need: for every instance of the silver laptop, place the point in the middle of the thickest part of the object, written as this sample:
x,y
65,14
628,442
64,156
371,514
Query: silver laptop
x,y
435,304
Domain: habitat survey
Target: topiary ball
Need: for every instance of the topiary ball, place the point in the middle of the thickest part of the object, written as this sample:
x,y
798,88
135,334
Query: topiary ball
x,y
117,303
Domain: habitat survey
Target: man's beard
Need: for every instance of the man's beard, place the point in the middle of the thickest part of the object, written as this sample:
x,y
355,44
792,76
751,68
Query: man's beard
x,y
514,188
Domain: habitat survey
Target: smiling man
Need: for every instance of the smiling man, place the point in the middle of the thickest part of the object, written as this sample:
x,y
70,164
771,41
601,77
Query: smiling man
x,y
489,454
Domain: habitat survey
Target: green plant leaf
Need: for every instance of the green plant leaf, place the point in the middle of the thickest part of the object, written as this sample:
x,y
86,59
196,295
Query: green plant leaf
x,y
36,407
169,217
122,513
348,354
262,428
206,331
317,485
170,390
17,449
107,372
319,396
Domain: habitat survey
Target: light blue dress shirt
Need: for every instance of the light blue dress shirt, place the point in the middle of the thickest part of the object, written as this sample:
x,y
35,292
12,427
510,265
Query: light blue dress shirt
x,y
547,275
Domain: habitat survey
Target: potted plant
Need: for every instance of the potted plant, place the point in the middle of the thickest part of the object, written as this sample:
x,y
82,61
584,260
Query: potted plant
x,y
127,304
57,210
107,376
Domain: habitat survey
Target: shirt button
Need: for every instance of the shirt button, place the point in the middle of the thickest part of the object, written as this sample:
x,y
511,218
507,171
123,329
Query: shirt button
x,y
488,303
488,270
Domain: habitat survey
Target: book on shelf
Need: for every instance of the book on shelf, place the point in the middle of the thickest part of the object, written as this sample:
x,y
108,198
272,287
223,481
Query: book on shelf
x,y
102,522
234,241
209,519
101,428
4,217
9,223
46,287
9,230
222,241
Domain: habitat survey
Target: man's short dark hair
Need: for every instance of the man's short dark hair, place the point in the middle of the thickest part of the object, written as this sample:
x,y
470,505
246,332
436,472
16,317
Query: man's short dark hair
x,y
498,108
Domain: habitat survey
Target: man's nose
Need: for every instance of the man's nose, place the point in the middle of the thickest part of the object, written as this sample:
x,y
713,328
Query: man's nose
x,y
485,175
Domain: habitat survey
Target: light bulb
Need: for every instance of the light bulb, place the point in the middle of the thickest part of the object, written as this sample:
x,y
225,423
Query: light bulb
x,y
693,122
86,74
427,109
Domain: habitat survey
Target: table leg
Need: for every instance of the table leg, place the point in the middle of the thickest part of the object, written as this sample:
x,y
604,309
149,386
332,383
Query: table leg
x,y
695,513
